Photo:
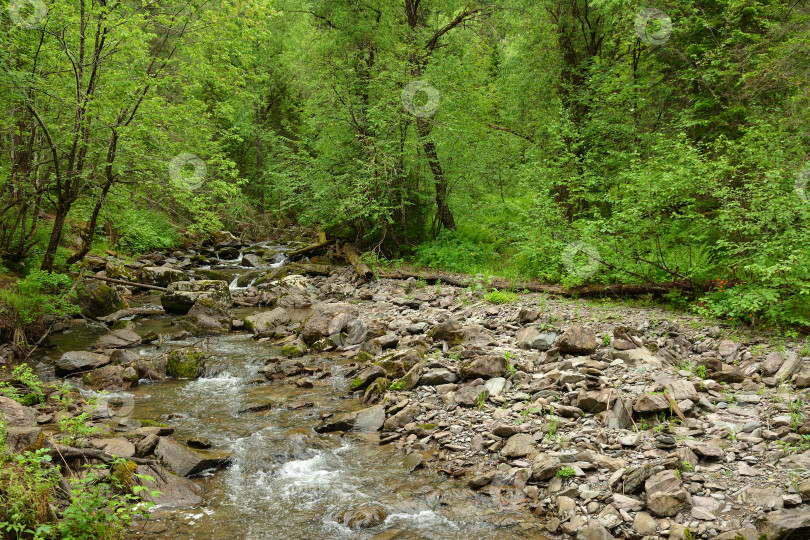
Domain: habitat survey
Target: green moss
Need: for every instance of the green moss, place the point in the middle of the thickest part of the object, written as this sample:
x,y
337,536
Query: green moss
x,y
356,383
293,351
426,427
152,423
184,363
123,472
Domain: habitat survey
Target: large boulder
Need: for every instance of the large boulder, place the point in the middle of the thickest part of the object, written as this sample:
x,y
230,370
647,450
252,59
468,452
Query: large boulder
x,y
577,340
15,415
118,339
266,320
207,318
328,319
116,270
784,524
162,276
73,361
485,367
185,461
174,491
182,295
97,299
368,420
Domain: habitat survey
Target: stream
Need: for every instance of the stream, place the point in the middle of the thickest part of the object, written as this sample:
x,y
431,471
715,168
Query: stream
x,y
285,480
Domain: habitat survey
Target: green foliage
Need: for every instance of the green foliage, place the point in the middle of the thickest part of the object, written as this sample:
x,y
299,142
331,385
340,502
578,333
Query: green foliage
x,y
566,472
494,296
25,375
26,484
141,231
38,294
75,428
455,253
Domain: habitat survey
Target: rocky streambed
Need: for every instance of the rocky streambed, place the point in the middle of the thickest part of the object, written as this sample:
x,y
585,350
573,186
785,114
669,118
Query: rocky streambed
x,y
299,400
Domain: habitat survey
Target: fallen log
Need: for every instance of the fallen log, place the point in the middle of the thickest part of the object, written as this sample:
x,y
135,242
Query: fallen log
x,y
65,453
130,283
308,250
632,289
362,268
129,312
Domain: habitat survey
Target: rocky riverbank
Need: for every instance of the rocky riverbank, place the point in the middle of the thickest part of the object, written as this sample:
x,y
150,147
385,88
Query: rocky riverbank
x,y
603,420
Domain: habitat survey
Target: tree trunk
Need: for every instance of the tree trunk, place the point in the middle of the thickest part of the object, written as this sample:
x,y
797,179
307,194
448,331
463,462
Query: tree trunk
x,y
443,213
56,236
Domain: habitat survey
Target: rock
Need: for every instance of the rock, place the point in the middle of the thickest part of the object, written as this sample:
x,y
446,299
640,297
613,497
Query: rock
x,y
577,340
207,318
706,450
409,380
622,415
318,325
519,445
401,362
356,332
601,461
16,415
367,420
366,377
175,491
19,439
727,348
117,446
250,261
768,498
632,478
471,396
449,331
651,403
376,390
596,401
254,406
185,461
531,338
504,430
545,466
804,490
437,376
118,339
114,270
400,419
366,516
639,357
679,389
495,386
630,504
784,524
772,363
162,275
594,532
185,363
666,495
729,374
484,367
182,295
97,299
79,361
796,461
412,461
791,366
266,320
106,377
645,524
147,445
223,239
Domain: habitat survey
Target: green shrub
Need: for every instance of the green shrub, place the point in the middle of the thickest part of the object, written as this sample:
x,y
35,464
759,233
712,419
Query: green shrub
x,y
38,294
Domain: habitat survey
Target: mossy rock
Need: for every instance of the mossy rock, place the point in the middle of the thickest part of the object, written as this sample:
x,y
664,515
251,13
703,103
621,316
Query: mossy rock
x,y
152,423
363,357
293,350
98,299
123,472
185,363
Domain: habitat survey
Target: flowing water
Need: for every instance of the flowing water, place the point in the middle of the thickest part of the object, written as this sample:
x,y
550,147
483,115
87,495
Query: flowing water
x,y
286,481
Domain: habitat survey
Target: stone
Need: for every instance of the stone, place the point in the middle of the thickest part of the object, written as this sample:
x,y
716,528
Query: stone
x,y
73,361
366,516
651,403
19,439
409,380
471,396
596,401
319,324
356,332
504,430
400,419
666,495
162,276
15,414
118,339
706,450
182,295
791,366
594,532
768,498
485,367
207,318
185,363
437,376
645,524
531,338
266,320
185,461
679,389
147,445
772,363
601,461
117,446
109,376
450,331
370,419
174,491
519,445
727,348
622,415
545,466
495,386
796,461
639,357
784,524
631,504
577,340
97,299
729,374
366,377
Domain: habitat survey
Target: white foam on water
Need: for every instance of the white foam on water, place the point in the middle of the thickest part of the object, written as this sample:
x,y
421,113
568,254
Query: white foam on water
x,y
427,519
